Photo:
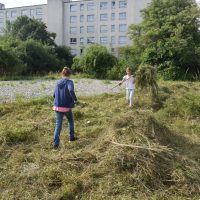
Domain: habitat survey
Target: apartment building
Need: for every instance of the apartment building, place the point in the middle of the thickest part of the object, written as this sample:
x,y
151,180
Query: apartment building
x,y
36,11
81,23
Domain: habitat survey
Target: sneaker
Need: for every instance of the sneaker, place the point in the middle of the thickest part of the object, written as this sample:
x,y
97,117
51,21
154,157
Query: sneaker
x,y
55,146
73,139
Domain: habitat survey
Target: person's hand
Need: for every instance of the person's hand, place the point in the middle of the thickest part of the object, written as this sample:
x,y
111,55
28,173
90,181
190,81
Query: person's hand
x,y
77,102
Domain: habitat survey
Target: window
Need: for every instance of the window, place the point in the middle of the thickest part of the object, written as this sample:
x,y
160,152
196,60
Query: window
x,y
81,51
122,15
113,40
73,19
73,8
104,17
90,40
7,14
81,7
31,12
113,16
39,11
81,18
103,40
103,5
90,29
90,6
13,13
113,4
82,29
1,17
122,28
122,4
24,12
81,40
73,51
113,50
112,28
73,40
90,18
73,30
122,40
104,28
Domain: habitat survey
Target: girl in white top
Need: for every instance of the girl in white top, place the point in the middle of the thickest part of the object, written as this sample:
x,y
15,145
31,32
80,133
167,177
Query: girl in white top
x,y
130,86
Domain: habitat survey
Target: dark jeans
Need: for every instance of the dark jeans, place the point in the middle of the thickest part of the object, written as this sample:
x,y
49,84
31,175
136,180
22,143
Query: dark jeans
x,y
58,128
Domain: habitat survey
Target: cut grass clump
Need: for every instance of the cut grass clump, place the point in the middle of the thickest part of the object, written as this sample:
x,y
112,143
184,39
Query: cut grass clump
x,y
187,105
121,153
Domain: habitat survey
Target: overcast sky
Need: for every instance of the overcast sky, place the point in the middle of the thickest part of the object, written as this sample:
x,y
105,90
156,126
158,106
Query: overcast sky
x,y
18,3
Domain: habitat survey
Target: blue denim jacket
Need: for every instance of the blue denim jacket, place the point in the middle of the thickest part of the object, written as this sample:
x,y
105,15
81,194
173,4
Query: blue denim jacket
x,y
64,95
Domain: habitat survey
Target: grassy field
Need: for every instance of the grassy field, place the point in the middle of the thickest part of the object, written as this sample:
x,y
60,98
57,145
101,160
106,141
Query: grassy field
x,y
121,154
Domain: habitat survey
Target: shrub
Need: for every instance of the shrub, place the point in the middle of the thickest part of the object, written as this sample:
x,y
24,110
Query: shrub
x,y
64,55
97,60
9,62
37,57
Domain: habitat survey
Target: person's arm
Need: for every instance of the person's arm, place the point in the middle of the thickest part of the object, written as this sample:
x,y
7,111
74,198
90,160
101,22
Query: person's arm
x,y
71,91
54,92
123,80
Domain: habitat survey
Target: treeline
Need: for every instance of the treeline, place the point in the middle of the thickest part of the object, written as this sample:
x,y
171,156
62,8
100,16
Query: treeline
x,y
27,48
167,40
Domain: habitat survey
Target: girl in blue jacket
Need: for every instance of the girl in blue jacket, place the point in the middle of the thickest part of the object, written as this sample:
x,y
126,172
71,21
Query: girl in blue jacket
x,y
64,101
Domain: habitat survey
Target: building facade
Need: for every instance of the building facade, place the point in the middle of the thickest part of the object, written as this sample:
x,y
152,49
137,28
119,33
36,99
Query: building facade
x,y
80,23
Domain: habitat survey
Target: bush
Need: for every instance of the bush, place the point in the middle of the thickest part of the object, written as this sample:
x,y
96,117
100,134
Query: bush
x,y
97,60
64,55
9,62
76,66
37,57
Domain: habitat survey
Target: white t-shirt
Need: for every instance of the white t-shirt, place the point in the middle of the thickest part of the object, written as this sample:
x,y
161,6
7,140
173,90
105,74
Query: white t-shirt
x,y
129,82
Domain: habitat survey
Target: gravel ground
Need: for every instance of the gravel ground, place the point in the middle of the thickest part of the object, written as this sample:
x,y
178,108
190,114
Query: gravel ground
x,y
10,90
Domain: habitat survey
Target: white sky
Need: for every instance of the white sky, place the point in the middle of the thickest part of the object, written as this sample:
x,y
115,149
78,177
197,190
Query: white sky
x,y
18,3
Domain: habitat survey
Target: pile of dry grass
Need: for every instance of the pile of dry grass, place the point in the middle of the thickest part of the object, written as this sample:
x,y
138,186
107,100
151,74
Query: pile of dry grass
x,y
121,154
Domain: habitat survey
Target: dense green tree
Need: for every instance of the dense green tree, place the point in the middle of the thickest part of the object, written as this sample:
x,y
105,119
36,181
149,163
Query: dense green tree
x,y
28,28
37,58
169,38
9,62
64,55
31,45
96,61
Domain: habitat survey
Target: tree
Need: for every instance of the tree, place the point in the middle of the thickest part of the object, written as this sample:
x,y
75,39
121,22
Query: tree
x,y
9,63
27,28
64,55
97,60
37,58
169,38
